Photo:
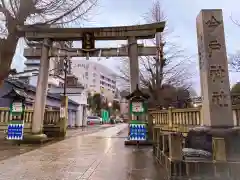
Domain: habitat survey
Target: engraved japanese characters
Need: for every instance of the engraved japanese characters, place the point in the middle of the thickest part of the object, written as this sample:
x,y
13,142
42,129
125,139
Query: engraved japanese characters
x,y
215,87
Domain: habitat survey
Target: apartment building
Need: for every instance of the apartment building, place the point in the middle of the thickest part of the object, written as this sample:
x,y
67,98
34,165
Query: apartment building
x,y
95,77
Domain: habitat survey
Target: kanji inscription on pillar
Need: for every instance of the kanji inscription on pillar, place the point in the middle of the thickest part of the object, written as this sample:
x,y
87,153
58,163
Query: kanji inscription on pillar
x,y
213,22
215,87
217,73
219,99
213,46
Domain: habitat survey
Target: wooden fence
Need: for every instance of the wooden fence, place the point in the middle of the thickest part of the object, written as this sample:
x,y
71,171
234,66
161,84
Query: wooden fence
x,y
51,119
183,119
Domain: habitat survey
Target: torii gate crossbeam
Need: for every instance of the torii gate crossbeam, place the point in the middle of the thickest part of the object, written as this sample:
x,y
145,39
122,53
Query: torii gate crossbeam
x,y
146,31
35,53
48,35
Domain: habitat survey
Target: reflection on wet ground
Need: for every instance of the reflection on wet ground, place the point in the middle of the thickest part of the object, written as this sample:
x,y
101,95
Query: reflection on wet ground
x,y
7,149
101,156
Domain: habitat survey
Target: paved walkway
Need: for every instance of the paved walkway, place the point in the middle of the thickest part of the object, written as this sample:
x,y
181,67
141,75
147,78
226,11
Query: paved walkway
x,y
98,156
8,150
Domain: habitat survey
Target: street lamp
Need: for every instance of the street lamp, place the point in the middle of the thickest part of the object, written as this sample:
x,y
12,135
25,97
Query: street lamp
x,y
195,105
109,107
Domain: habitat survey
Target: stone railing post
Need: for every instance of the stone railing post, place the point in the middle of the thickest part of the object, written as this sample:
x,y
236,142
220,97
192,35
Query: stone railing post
x,y
219,149
170,117
175,146
150,127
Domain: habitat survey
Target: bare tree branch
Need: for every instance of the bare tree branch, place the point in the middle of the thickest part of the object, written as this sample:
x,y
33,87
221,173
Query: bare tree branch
x,y
170,66
14,13
234,62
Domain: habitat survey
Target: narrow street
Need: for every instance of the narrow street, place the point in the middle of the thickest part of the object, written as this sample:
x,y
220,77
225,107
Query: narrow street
x,y
96,156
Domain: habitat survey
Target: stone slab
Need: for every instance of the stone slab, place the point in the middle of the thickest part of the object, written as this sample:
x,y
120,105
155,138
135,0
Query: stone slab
x,y
215,86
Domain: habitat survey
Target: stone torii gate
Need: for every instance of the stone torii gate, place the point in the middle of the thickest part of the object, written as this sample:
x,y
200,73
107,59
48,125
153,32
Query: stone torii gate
x,y
88,36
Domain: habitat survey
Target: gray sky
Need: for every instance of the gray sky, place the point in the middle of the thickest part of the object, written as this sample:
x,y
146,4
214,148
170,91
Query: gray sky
x,y
181,15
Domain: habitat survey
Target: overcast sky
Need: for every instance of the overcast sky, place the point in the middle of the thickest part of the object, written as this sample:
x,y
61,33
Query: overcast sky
x,y
181,15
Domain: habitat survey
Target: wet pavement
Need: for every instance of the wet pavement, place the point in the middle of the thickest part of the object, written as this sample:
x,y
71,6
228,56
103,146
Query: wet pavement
x,y
8,150
96,156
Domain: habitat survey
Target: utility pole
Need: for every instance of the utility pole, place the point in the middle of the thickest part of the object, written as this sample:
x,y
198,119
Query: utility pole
x,y
65,69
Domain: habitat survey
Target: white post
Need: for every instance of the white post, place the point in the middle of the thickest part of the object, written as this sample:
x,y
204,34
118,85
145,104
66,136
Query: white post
x,y
79,116
41,91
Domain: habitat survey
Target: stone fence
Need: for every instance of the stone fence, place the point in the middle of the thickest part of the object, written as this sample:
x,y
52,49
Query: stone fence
x,y
184,118
52,124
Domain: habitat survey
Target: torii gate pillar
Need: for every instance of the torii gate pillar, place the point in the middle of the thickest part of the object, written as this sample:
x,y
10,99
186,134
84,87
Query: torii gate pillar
x,y
41,91
134,66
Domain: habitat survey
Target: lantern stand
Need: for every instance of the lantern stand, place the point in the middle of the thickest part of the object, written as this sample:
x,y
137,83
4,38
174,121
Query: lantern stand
x,y
138,126
15,131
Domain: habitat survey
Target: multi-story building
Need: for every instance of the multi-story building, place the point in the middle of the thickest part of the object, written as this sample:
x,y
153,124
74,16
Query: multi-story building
x,y
95,77
55,68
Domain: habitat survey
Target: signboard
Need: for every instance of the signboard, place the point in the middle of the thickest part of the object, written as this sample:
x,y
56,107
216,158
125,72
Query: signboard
x,y
88,42
137,108
138,132
105,115
15,130
16,108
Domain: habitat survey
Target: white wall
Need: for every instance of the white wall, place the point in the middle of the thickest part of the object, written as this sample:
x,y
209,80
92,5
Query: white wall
x,y
89,74
33,79
81,115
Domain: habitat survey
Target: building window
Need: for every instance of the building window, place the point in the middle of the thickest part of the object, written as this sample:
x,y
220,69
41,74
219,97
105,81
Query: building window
x,y
94,74
102,83
61,84
102,77
94,80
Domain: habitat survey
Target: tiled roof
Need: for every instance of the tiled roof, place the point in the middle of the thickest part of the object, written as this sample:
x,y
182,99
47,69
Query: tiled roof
x,y
27,87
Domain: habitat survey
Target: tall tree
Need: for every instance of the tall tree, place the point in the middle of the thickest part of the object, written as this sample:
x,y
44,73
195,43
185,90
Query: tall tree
x,y
169,66
236,88
234,62
95,102
15,13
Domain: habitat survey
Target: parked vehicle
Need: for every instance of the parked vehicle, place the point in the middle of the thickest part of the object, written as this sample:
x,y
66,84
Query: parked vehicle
x,y
94,120
112,120
119,120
